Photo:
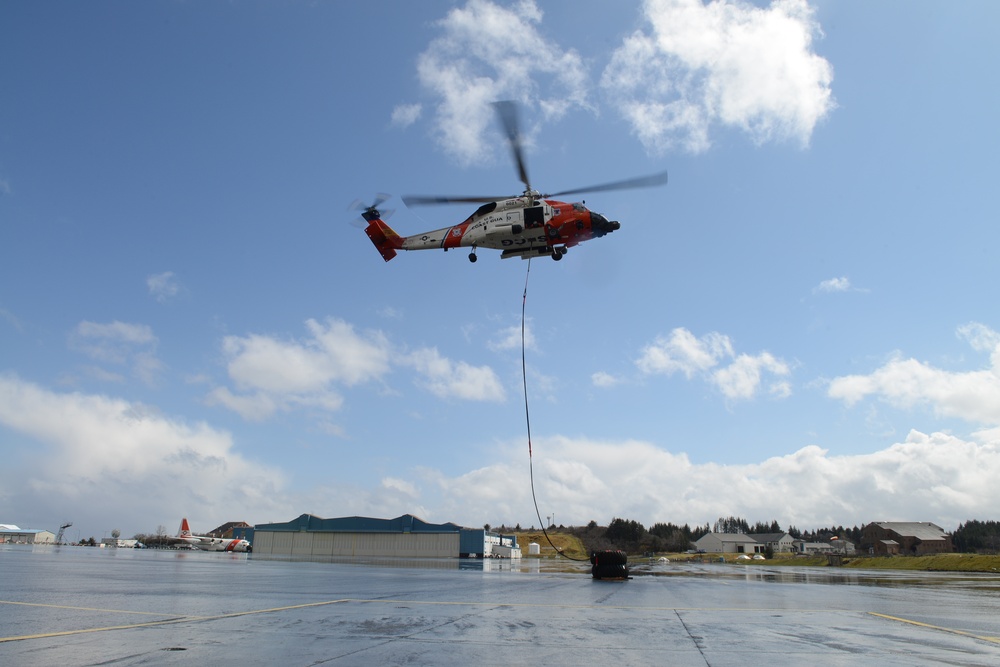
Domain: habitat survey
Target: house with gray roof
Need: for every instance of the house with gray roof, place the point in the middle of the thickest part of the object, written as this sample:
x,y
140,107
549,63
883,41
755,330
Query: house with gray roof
x,y
910,538
779,542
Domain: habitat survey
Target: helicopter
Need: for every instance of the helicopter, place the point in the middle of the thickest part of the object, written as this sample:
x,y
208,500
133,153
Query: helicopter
x,y
529,225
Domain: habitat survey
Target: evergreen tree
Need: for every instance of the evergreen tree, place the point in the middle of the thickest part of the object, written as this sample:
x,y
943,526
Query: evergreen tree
x,y
624,533
977,535
731,524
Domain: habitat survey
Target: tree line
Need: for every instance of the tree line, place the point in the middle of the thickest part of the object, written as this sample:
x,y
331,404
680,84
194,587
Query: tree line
x,y
631,536
977,536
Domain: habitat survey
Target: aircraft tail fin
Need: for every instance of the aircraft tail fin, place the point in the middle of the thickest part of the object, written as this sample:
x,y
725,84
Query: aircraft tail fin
x,y
184,530
385,239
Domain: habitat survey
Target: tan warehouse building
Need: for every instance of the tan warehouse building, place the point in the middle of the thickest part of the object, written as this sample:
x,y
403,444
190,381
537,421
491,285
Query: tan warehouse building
x,y
10,534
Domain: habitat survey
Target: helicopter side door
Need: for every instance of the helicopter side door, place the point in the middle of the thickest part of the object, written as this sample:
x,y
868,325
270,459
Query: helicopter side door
x,y
534,217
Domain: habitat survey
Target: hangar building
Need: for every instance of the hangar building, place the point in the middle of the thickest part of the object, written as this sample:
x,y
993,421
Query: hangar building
x,y
406,536
10,534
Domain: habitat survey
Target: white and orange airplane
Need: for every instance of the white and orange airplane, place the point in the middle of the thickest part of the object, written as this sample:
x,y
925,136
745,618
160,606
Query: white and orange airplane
x,y
209,543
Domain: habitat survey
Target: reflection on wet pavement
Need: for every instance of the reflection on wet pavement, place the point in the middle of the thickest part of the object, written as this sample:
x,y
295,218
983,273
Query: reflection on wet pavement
x,y
80,606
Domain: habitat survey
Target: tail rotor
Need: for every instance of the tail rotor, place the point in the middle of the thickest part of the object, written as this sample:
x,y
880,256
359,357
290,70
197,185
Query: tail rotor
x,y
372,220
370,211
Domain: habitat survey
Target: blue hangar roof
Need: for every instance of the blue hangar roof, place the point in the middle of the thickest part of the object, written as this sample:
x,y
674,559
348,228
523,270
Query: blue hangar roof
x,y
359,524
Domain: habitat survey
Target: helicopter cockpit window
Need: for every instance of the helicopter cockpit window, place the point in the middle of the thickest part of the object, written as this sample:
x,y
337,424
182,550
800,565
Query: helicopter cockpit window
x,y
534,216
486,208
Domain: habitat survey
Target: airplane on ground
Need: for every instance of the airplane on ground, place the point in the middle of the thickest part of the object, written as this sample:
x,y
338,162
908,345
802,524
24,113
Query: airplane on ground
x,y
208,543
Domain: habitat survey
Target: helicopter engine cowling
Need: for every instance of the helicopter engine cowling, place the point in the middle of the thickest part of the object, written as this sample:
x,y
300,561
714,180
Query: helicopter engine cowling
x,y
504,226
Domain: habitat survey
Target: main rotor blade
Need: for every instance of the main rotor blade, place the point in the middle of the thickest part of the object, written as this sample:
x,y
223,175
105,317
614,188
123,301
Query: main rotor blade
x,y
507,111
418,200
650,181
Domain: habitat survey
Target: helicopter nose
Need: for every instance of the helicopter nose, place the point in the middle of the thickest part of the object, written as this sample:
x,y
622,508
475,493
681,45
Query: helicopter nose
x,y
601,225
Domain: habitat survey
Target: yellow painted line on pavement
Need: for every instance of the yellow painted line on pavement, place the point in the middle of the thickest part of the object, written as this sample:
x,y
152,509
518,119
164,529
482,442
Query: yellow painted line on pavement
x,y
148,624
64,633
446,603
556,605
920,624
66,606
174,619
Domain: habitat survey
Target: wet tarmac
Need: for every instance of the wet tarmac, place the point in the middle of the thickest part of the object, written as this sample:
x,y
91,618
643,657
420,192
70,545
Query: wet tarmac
x,y
86,606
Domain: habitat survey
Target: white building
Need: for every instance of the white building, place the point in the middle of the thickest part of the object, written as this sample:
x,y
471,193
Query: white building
x,y
118,543
834,546
728,543
739,543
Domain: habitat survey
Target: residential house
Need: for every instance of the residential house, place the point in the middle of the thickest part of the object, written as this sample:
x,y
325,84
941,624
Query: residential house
x,y
779,542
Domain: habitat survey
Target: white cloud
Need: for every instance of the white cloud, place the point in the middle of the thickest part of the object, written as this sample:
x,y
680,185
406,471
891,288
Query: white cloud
x,y
400,486
102,374
405,115
935,477
982,339
834,285
138,334
256,406
740,378
841,284
469,67
509,338
271,374
448,379
109,449
743,376
391,498
604,380
390,313
276,366
722,63
333,353
906,383
685,353
162,286
119,343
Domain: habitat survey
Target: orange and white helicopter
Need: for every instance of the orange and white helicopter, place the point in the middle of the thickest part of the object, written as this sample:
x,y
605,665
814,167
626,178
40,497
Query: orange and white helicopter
x,y
529,225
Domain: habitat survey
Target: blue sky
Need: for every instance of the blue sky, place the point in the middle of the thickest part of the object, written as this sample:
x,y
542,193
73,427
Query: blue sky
x,y
802,326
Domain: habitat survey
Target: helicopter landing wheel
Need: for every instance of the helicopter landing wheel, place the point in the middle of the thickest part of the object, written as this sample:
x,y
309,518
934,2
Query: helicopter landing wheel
x,y
557,253
472,257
